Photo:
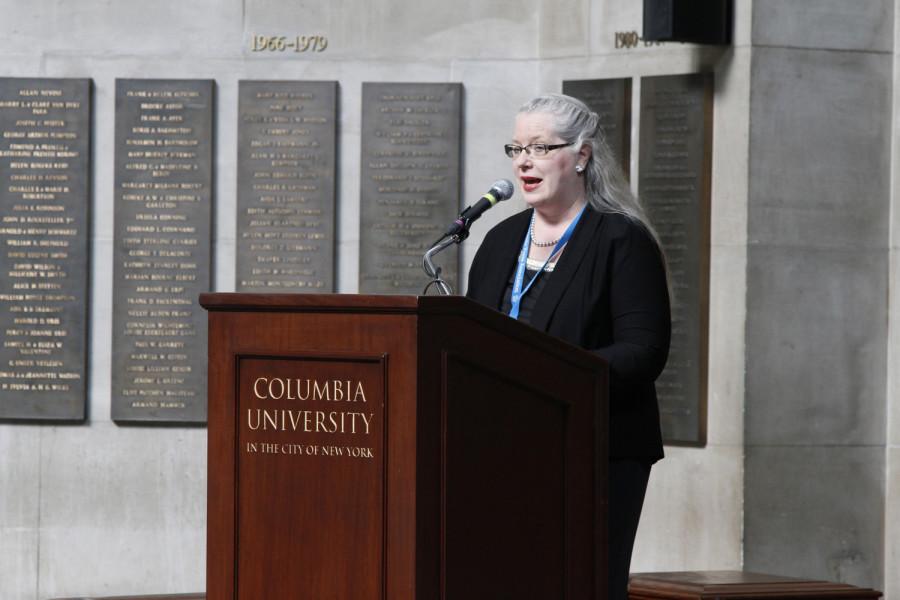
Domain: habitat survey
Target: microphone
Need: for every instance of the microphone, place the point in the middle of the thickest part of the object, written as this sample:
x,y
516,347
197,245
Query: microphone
x,y
501,190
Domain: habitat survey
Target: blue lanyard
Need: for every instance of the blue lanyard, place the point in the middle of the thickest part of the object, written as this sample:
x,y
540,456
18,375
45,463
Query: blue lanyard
x,y
517,291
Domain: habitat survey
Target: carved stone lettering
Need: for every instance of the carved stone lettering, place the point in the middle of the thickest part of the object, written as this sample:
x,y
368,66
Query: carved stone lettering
x,y
286,186
410,182
44,233
163,184
674,183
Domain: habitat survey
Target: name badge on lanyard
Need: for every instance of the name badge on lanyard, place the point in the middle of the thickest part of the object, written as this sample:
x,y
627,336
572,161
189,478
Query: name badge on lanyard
x,y
517,291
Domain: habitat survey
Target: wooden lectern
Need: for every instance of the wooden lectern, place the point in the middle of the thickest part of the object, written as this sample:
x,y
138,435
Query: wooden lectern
x,y
400,448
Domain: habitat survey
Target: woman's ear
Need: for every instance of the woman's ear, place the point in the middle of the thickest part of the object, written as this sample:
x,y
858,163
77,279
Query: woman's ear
x,y
584,154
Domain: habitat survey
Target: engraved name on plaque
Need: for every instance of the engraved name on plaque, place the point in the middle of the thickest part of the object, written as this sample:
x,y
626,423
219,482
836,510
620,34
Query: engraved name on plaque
x,y
44,233
163,183
286,186
410,182
674,184
611,100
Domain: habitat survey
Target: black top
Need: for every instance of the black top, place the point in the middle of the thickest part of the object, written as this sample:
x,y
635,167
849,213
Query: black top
x,y
526,306
607,294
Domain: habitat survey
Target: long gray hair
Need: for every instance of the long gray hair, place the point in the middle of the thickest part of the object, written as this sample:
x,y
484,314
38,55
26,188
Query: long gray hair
x,y
604,181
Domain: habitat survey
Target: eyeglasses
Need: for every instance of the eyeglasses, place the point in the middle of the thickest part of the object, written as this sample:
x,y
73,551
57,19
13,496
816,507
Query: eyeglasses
x,y
514,150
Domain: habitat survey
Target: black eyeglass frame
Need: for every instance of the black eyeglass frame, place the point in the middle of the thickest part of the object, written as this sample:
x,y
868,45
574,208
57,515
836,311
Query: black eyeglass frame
x,y
514,150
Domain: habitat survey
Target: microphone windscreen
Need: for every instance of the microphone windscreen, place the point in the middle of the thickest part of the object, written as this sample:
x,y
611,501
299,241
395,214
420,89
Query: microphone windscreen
x,y
503,189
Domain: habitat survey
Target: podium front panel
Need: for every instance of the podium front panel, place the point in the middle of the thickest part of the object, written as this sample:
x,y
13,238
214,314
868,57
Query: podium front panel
x,y
311,452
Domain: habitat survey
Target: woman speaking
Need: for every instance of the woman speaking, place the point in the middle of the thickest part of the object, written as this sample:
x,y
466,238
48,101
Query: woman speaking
x,y
583,263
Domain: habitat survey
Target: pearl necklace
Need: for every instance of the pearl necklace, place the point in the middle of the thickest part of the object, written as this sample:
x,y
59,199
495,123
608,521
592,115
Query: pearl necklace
x,y
537,243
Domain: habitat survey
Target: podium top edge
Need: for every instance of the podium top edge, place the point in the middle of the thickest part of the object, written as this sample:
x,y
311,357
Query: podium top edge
x,y
315,302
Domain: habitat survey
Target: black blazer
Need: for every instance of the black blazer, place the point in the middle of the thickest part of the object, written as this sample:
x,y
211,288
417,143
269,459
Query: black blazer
x,y
607,294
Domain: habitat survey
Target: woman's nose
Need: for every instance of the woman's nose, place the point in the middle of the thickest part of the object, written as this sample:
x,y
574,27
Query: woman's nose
x,y
522,160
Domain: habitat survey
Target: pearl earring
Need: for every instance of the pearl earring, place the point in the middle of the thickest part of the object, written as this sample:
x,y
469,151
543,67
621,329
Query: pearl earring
x,y
579,169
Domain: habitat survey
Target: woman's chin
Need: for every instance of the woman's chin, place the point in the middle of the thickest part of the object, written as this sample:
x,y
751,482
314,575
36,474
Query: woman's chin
x,y
535,200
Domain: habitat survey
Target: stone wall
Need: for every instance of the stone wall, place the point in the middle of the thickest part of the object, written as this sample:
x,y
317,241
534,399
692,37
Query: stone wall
x,y
817,289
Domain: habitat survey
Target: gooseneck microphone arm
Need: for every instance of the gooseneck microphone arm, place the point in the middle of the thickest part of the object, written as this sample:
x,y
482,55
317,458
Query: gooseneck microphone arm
x,y
433,271
459,231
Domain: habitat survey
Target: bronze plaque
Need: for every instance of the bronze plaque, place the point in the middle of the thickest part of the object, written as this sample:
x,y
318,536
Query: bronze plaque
x,y
311,450
163,200
287,149
674,184
611,100
409,188
45,152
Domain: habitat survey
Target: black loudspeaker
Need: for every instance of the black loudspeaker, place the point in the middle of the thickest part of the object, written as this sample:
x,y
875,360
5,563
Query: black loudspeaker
x,y
695,21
